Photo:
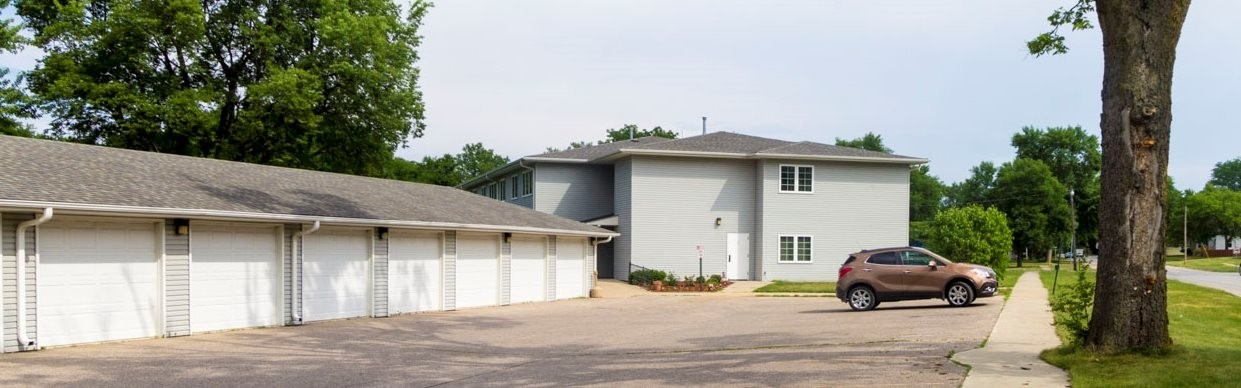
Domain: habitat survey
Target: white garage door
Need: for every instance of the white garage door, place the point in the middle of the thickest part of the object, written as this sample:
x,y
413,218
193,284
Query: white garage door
x,y
570,268
478,270
98,281
413,272
529,274
234,277
336,275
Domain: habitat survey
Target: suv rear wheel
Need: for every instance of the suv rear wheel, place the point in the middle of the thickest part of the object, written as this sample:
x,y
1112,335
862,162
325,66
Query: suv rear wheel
x,y
959,294
862,298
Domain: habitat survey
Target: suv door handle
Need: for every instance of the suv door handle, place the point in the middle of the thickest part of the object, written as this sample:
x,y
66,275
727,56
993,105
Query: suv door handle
x,y
866,269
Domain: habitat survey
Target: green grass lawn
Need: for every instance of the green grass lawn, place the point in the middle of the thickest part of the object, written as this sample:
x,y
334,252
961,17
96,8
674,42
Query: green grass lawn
x,y
786,286
1214,264
1206,328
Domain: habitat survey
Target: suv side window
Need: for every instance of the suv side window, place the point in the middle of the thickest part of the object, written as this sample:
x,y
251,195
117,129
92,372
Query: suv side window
x,y
915,258
885,258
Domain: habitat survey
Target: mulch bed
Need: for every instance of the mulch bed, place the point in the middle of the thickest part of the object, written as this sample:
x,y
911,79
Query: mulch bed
x,y
688,287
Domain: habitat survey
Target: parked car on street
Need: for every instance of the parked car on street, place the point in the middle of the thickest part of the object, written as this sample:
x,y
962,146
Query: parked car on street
x,y
908,273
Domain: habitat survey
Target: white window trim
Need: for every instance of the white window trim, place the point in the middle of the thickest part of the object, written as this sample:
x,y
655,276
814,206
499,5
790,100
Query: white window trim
x,y
795,237
796,178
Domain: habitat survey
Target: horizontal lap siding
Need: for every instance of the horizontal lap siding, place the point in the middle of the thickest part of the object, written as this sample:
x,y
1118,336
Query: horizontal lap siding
x,y
551,268
379,276
287,268
176,281
621,244
8,226
506,271
854,206
575,191
676,202
450,270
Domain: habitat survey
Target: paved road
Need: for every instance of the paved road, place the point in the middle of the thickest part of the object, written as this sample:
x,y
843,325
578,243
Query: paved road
x,y
691,340
1227,281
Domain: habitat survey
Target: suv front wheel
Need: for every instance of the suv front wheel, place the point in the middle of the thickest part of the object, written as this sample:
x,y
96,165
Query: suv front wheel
x,y
862,298
959,294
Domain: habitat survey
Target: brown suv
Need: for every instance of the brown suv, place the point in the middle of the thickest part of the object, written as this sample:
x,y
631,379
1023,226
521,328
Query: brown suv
x,y
893,274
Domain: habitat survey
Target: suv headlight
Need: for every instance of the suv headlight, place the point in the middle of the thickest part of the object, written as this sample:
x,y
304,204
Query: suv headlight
x,y
985,273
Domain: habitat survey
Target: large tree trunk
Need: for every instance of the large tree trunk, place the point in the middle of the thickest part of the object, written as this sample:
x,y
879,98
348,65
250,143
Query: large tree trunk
x,y
1139,48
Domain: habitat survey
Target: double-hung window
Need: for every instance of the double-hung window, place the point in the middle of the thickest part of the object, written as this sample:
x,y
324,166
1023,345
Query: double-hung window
x,y
503,189
512,182
795,249
796,179
527,183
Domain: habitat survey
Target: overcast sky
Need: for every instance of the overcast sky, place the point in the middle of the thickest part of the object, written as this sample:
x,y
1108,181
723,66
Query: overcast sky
x,y
948,80
945,80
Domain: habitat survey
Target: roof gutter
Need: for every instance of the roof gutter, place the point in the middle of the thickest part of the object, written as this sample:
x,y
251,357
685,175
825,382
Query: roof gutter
x,y
488,174
225,215
23,338
295,279
735,155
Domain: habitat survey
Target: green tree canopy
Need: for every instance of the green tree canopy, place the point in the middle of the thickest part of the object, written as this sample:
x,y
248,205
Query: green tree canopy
x,y
870,141
926,193
1036,204
475,159
975,190
15,103
1214,211
327,85
1075,158
972,234
1227,174
622,133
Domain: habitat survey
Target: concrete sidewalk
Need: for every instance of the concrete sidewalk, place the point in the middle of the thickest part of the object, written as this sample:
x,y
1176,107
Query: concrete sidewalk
x,y
1024,328
1229,282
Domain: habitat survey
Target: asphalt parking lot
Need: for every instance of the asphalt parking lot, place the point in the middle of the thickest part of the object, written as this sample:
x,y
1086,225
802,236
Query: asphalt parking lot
x,y
677,340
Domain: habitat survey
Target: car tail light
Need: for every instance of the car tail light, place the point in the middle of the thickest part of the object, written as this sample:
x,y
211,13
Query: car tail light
x,y
844,271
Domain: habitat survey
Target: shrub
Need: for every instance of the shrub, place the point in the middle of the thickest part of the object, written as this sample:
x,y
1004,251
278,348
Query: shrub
x,y
700,280
972,234
1072,308
670,279
645,276
714,279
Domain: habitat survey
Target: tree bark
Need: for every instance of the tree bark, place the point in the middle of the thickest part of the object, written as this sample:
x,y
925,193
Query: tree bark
x,y
1139,48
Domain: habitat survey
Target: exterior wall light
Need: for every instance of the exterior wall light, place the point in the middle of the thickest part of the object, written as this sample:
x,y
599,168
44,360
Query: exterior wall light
x,y
718,221
382,232
180,226
507,237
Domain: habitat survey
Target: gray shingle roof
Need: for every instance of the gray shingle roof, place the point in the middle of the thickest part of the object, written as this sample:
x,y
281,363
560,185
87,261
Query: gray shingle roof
x,y
808,148
601,150
725,142
51,171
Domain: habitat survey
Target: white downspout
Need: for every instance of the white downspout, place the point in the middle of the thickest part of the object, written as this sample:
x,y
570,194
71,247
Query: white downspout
x,y
595,292
297,313
23,338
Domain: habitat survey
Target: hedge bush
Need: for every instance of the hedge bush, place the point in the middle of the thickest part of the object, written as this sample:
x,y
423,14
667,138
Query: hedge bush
x,y
646,276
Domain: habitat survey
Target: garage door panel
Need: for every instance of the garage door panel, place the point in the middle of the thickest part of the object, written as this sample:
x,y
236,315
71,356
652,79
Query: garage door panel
x,y
235,277
478,270
98,281
336,275
414,273
529,275
570,268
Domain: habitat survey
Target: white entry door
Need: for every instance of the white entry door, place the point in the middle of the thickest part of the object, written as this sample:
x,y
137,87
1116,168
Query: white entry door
x,y
478,270
336,274
414,272
529,270
98,281
570,268
234,277
738,256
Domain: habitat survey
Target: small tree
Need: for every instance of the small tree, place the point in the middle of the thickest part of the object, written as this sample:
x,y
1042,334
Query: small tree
x,y
972,234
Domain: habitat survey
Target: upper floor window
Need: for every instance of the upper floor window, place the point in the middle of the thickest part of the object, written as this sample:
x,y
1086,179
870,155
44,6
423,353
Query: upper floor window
x,y
796,179
503,189
527,183
512,183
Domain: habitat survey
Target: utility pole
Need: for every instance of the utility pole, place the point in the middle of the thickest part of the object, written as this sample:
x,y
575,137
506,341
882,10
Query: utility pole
x,y
1185,234
1073,230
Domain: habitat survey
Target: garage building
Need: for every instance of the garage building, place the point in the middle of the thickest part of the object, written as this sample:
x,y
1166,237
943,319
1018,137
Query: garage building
x,y
118,244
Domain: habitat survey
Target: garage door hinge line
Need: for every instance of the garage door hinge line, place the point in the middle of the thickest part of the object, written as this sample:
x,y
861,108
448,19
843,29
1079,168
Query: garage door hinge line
x,y
294,278
22,337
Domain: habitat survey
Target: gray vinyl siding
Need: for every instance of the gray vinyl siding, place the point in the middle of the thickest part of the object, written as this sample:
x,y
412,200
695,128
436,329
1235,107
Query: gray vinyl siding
x,y
589,267
854,206
527,201
176,281
450,270
506,272
676,203
8,227
575,191
379,276
287,267
756,260
551,268
620,245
